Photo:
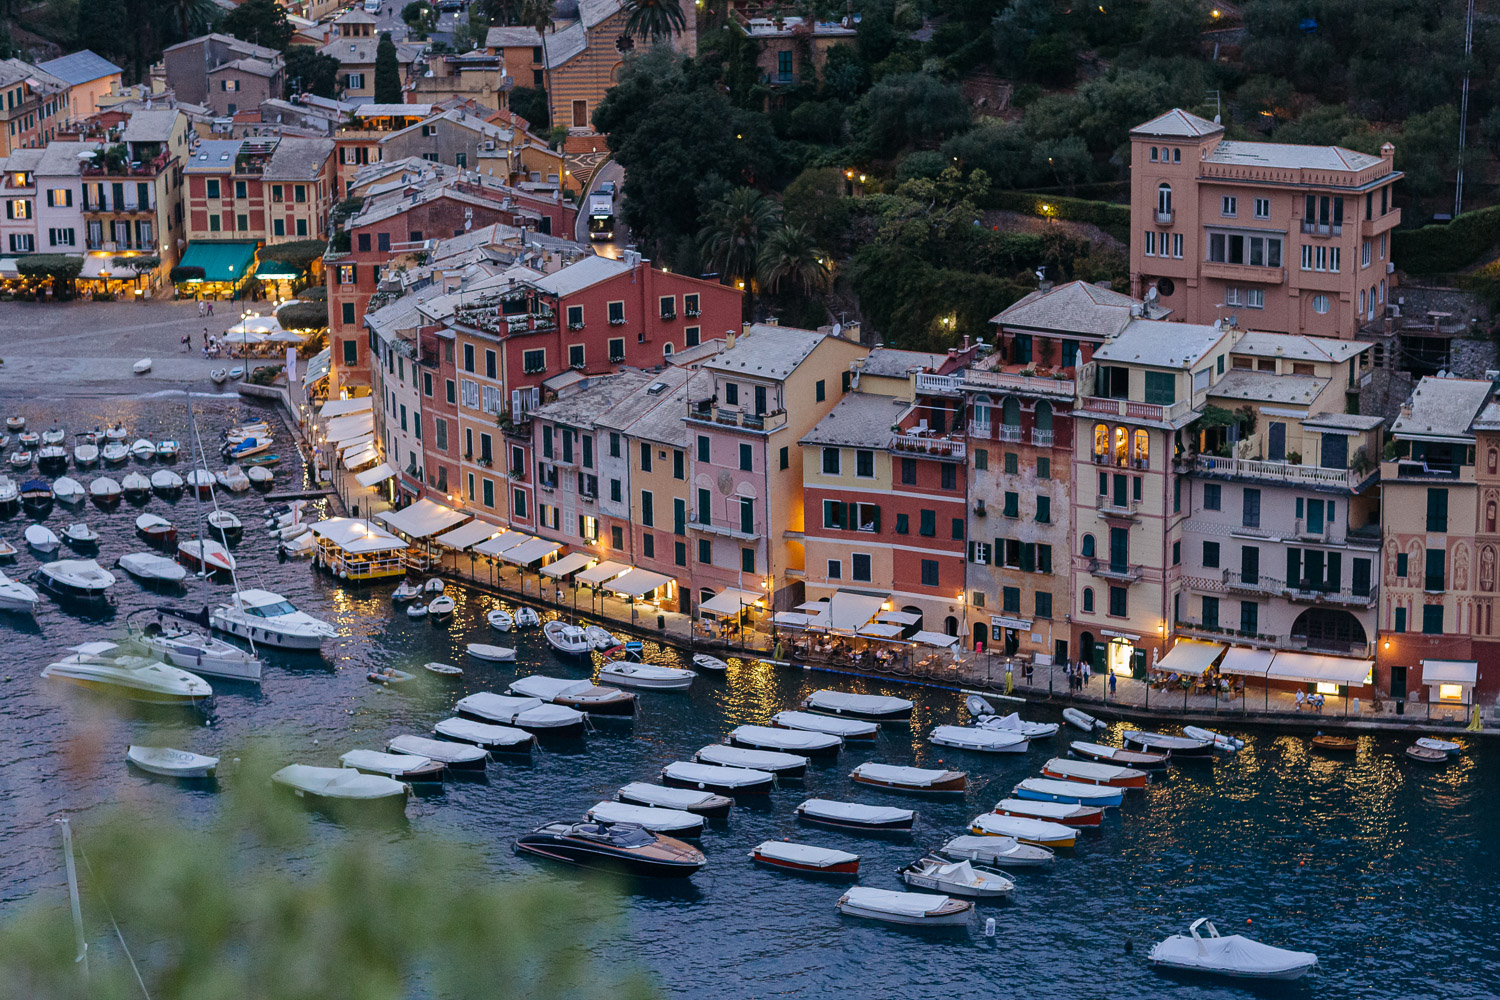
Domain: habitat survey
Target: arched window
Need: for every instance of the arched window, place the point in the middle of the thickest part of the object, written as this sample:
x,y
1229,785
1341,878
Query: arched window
x,y
1320,304
1382,289
1164,199
1122,445
666,350
1176,156
1153,154
1361,300
1044,416
1494,460
1010,412
1101,442
1141,457
1088,546
1088,599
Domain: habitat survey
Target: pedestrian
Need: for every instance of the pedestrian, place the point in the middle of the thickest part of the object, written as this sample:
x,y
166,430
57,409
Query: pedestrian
x,y
202,308
1088,674
1111,685
210,307
1301,698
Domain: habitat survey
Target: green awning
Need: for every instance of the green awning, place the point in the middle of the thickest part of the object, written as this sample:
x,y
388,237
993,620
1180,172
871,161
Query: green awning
x,y
226,261
275,270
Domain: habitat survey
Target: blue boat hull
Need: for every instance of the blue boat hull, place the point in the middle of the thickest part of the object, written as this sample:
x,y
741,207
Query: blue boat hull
x,y
1106,801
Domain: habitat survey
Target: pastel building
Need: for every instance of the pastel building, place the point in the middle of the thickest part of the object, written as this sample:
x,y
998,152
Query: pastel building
x,y
89,77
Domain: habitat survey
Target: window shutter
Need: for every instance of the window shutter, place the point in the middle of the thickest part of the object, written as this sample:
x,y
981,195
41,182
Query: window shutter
x,y
973,546
1293,567
877,520
1044,559
1028,557
1335,574
999,552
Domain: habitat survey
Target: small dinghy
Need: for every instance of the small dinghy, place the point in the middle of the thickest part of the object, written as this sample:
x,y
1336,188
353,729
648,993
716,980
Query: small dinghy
x,y
531,714
1015,724
51,458
206,555
54,435
389,675
806,859
295,548
68,490
646,676
912,780
979,740
808,744
1052,790
1422,755
294,530
784,765
114,453
219,376
1447,747
245,448
16,423
690,800
37,497
434,586
918,909
142,366
225,523
600,638
10,496
116,432
417,610
491,654
105,490
41,539
149,567
1234,956
991,850
16,596
233,478
400,766
166,482
857,816
567,639
1176,747
156,530
260,477
405,591
527,618
169,763
1083,720
872,707
168,450
441,607
201,481
1066,813
142,450
956,878
1139,759
135,485
731,781
20,459
30,439
500,620
460,756
1335,744
584,696
443,669
85,455
496,739
1041,832
1088,772
7,550
672,822
1222,743
343,791
710,663
847,729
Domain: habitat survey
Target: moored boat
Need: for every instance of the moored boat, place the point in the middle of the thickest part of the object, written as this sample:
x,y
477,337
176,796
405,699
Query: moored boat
x,y
1422,755
105,490
207,555
37,497
389,675
1052,790
1175,747
730,781
1015,724
710,663
527,618
80,536
585,696
85,455
186,647
400,766
463,756
1234,956
1442,746
1222,743
167,450
690,800
621,847
646,676
142,450
499,619
872,707
912,780
979,740
1335,744
798,741
997,850
106,668
847,729
1139,759
226,524
783,765
343,791
271,620
151,568
1066,813
201,481
857,816
569,640
672,822
405,591
484,651
81,579
600,638
918,909
1041,832
530,714
1090,772
166,483
114,453
68,490
443,669
16,596
135,485
156,530
1080,719
806,859
166,762
957,878
41,539
441,607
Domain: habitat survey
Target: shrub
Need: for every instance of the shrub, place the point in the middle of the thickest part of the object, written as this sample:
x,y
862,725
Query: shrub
x,y
1112,218
1441,248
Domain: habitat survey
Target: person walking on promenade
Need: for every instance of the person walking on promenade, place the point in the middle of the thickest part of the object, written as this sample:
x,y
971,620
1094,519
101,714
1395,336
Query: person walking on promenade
x,y
1087,674
202,308
1111,685
210,307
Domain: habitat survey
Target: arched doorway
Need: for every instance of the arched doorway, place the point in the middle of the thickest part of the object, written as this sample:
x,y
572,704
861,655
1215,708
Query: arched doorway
x,y
1331,629
915,626
981,636
950,625
1086,648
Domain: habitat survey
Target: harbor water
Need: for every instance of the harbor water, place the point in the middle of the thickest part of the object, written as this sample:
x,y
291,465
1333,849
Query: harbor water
x,y
1386,869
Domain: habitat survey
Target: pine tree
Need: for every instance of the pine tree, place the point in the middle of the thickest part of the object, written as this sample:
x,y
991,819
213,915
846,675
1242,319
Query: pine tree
x,y
387,72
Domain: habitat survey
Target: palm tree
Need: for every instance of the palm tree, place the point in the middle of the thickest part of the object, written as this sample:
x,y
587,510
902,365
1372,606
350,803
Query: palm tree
x,y
733,229
538,14
654,20
790,254
190,15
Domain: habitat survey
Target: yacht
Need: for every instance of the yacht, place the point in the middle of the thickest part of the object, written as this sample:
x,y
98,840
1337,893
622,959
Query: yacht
x,y
270,619
184,646
79,578
102,666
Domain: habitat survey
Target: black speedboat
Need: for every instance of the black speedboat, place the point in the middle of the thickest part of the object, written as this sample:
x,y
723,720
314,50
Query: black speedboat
x,y
620,847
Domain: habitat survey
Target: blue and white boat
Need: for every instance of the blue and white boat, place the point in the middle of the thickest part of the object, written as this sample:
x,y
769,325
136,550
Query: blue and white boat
x,y
1049,790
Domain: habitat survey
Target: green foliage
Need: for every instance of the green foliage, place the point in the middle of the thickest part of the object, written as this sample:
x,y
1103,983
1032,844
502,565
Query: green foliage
x,y
815,201
420,16
999,148
103,26
387,72
264,374
1113,219
531,104
927,163
309,71
791,255
845,75
50,265
734,227
728,56
654,20
346,209
262,22
298,254
909,109
1442,249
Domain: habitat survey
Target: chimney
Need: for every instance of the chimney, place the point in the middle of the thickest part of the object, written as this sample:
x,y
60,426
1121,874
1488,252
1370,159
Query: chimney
x,y
1388,152
729,339
1044,286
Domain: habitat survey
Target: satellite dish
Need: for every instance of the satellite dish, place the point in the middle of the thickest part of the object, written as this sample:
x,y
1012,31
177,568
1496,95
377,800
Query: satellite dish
x,y
1151,296
838,329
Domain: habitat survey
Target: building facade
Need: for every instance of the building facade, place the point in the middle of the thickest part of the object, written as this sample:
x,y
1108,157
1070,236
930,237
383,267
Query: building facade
x,y
134,202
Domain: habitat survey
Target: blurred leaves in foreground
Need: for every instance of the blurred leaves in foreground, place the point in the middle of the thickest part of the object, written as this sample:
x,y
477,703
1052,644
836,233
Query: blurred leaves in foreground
x,y
253,905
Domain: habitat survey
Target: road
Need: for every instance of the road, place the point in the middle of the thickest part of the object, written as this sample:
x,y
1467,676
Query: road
x,y
611,171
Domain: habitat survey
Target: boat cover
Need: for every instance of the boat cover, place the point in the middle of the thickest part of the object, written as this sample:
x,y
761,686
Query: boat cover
x,y
726,756
644,670
496,706
1015,723
443,750
919,777
487,652
709,774
1043,809
549,715
1233,955
981,848
911,904
1022,827
811,723
659,820
155,566
665,795
855,812
868,704
386,763
338,782
547,688
169,759
479,732
1092,770
790,739
1443,746
1072,790
804,854
975,738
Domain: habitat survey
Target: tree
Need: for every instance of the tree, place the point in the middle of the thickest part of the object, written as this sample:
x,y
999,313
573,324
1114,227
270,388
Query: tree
x,y
654,20
387,72
262,22
419,16
303,315
907,109
791,255
845,76
815,201
531,104
734,227
102,26
308,71
190,17
538,14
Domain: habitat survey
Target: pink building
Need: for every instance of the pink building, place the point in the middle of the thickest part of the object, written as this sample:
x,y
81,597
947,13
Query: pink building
x,y
1290,239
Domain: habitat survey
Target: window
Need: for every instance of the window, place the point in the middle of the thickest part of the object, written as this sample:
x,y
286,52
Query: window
x,y
489,364
1262,208
820,391
1401,563
532,362
1211,555
1212,493
355,81
1153,154
833,514
1333,258
1437,510
958,529
908,471
1364,254
784,461
648,509
645,457
1161,388
1117,601
678,466
1433,571
1250,515
747,454
1150,243
929,572
859,567
928,524
864,464
1320,304
747,560
1229,206
1164,202
1044,510
351,350
835,569
705,551
981,459
1010,600
705,506
949,476
1088,599
1432,619
212,188
903,524
830,461
616,311
1400,625
1044,559
489,493
1088,546
22,243
1012,504
615,492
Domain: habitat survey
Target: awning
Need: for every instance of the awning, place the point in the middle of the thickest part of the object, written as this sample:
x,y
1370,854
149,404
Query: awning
x,y
379,474
275,270
1313,668
848,610
422,518
638,582
607,570
220,260
1450,671
729,601
102,265
345,407
813,607
507,539
939,639
360,456
356,535
795,619
318,367
876,630
352,426
354,444
529,552
1190,657
569,563
898,617
1243,661
465,535
8,268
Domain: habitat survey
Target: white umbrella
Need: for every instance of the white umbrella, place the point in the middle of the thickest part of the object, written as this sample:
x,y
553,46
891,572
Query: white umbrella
x,y
239,335
262,324
286,337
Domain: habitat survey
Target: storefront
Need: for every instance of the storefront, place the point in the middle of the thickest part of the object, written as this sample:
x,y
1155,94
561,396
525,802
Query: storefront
x,y
1450,682
278,280
110,276
215,270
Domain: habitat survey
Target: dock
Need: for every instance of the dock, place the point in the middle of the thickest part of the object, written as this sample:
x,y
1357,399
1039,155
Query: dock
x,y
326,491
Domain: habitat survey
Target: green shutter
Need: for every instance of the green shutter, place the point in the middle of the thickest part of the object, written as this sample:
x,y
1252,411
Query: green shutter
x,y
1293,567
877,520
1028,557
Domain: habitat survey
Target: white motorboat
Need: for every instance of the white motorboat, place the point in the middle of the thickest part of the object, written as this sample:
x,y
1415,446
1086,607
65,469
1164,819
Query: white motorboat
x,y
1225,744
799,741
116,432
260,476
219,375
344,790
1176,747
80,535
1041,832
496,739
30,440
270,619
646,676
957,878
1235,956
135,485
169,763
85,455
1015,724
202,481
51,457
1441,746
15,423
167,450
1139,759
206,555
102,666
441,606
462,756
166,482
296,548
684,799
996,850
434,586
151,568
600,638
806,858
811,722
783,765
10,496
1057,790
405,591
857,816
568,639
233,478
143,450
142,366
980,740
225,522
417,610
105,490
54,435
246,447
401,766
911,780
527,618
710,663
189,648
672,822
20,458
530,714
730,781
16,596
114,453
69,490
1090,772
1080,719
84,579
872,707
1066,813
585,696
41,539
500,620
493,654
918,909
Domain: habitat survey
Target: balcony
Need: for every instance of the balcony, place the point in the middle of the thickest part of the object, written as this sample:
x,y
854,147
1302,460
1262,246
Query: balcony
x,y
1119,572
1257,583
1312,533
726,417
1107,506
1311,592
1251,274
939,447
1164,218
1321,229
1009,432
1409,470
138,168
1041,438
724,531
1129,409
984,380
1280,472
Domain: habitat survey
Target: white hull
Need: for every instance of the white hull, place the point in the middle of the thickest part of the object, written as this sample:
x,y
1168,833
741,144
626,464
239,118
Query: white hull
x,y
911,920
266,636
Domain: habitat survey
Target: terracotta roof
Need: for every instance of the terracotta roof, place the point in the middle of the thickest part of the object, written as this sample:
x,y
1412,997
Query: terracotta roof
x,y
1179,124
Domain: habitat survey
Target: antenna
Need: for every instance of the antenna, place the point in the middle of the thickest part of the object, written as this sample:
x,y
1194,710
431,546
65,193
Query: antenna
x,y
1215,98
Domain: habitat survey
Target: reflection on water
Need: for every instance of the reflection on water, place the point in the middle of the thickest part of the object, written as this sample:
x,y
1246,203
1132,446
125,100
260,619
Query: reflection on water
x,y
1384,868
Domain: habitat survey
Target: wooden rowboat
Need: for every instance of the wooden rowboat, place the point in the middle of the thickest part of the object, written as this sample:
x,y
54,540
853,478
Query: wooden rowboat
x,y
1335,744
1422,755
